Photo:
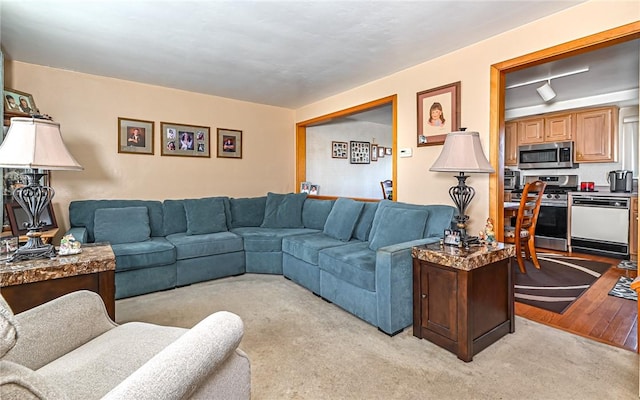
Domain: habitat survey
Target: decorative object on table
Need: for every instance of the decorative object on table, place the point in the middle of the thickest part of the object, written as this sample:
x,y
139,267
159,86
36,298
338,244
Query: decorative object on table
x,y
135,136
559,282
19,103
438,114
488,236
19,220
314,190
452,237
8,245
69,245
184,140
339,150
229,143
462,152
305,187
374,152
35,144
360,152
622,289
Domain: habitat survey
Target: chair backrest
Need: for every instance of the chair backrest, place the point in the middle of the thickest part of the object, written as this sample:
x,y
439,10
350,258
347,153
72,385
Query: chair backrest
x,y
387,187
530,206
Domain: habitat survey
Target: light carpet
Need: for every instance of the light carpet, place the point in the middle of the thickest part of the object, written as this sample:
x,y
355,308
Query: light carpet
x,y
302,347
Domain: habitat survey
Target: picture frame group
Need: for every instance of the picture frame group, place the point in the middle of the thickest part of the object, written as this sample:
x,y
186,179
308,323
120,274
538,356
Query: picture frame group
x,y
438,114
185,140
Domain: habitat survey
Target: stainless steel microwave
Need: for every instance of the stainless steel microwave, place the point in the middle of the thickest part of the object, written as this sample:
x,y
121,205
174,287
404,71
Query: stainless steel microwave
x,y
546,155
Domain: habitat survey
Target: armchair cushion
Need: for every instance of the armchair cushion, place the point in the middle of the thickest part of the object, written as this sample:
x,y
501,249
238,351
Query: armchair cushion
x,y
205,215
397,225
283,210
19,382
343,218
121,225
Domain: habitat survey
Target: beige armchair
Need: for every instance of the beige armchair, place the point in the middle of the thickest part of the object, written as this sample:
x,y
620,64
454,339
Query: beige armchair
x,y
68,348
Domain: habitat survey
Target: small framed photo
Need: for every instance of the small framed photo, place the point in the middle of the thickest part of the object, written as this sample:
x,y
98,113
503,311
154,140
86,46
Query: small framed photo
x,y
229,143
18,218
381,152
305,187
360,152
184,140
438,114
135,136
452,237
387,151
374,152
339,150
19,102
314,190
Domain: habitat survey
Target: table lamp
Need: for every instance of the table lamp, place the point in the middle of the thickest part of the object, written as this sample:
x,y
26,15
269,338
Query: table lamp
x,y
462,152
35,144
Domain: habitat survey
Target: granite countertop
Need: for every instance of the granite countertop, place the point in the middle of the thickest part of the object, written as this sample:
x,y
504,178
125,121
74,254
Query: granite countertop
x,y
93,259
459,258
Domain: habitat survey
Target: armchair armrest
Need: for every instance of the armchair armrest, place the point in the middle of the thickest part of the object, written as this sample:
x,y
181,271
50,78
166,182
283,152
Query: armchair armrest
x,y
55,328
79,233
186,364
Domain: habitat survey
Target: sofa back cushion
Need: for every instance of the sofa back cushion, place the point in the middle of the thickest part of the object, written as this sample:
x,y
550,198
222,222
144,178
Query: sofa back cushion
x,y
398,225
315,213
205,216
122,225
175,216
440,218
247,211
343,218
283,210
363,226
82,213
8,328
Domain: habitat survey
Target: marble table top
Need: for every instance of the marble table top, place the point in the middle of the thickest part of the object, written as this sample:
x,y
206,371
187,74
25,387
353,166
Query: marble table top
x,y
93,259
459,258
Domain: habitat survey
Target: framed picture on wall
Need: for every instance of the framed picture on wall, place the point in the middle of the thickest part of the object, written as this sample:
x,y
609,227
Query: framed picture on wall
x,y
184,140
381,152
438,114
360,152
229,143
374,152
339,150
135,136
387,151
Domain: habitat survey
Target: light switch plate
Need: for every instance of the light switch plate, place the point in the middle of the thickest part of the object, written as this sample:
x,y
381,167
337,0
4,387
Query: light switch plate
x,y
406,152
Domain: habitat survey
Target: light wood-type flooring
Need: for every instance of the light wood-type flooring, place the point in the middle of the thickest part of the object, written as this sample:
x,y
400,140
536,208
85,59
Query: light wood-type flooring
x,y
595,314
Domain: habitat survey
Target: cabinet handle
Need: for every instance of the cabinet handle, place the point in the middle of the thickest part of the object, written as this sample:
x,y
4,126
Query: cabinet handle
x,y
424,296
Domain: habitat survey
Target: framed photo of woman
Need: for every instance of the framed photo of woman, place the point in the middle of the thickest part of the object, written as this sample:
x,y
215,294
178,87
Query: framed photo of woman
x,y
438,114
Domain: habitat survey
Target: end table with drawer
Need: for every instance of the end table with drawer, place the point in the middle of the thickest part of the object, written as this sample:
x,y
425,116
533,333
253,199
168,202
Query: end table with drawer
x,y
463,299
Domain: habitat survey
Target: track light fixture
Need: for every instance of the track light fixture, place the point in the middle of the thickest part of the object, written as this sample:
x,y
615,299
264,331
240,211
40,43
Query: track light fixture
x,y
546,91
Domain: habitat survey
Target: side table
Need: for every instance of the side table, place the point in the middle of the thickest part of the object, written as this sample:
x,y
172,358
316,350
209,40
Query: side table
x,y
27,284
463,299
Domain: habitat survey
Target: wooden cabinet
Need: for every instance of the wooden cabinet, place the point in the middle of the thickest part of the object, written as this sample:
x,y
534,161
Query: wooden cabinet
x,y
633,229
596,135
531,131
464,306
511,143
558,128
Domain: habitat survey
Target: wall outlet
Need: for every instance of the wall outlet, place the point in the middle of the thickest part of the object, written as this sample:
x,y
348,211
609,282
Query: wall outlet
x,y
406,152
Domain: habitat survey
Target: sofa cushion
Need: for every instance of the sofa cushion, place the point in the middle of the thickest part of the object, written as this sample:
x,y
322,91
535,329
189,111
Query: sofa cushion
x,y
8,328
353,262
122,225
315,213
205,216
363,226
306,247
191,246
247,211
343,218
155,252
283,210
266,239
174,217
397,225
19,382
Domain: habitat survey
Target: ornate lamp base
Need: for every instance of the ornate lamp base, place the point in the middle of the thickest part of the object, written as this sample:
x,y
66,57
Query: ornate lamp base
x,y
34,249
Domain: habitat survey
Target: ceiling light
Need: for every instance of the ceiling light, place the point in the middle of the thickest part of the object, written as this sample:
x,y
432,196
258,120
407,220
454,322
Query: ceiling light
x,y
546,91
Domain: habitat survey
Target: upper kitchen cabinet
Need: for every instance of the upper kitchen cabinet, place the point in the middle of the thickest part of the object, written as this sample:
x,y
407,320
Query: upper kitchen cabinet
x,y
530,130
511,143
596,135
558,128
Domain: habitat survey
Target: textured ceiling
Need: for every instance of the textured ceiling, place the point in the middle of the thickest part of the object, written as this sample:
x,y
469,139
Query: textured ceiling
x,y
282,53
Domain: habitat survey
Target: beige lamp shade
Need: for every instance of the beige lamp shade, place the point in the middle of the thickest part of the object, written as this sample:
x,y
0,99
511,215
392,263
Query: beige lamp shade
x,y
462,152
36,144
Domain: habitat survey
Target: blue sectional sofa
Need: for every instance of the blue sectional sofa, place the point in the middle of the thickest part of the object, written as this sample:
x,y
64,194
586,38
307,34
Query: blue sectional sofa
x,y
352,253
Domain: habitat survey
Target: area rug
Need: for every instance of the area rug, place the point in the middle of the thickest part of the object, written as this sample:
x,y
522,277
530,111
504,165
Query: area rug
x,y
559,282
622,289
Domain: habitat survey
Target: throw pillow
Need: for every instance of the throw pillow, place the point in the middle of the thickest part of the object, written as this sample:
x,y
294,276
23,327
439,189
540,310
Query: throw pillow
x,y
398,225
343,218
8,328
205,215
121,225
247,211
283,210
361,231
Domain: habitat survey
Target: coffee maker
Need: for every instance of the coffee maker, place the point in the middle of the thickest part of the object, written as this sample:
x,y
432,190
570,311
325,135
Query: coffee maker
x,y
620,181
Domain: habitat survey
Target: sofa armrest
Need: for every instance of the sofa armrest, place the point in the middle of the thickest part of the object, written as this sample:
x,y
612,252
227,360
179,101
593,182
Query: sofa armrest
x,y
394,284
188,363
79,233
50,330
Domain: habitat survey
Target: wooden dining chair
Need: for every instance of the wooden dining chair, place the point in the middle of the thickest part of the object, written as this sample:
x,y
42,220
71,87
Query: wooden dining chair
x,y
522,235
387,188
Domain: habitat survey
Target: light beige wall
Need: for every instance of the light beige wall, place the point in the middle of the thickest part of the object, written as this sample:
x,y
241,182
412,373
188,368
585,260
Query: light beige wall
x,y
87,108
470,65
